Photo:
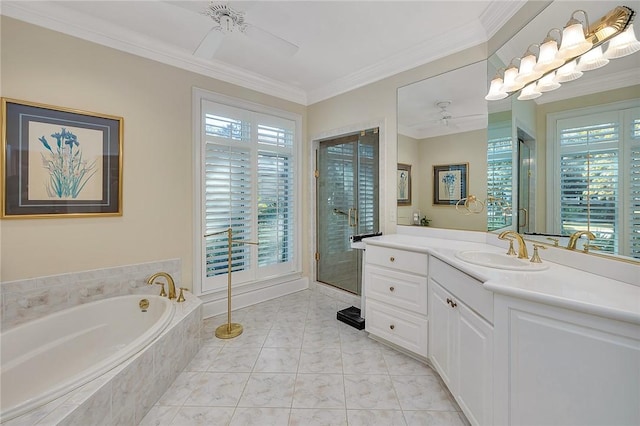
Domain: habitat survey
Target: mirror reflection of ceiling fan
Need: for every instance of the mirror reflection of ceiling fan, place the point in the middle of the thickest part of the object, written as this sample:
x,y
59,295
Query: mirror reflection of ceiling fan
x,y
228,20
447,119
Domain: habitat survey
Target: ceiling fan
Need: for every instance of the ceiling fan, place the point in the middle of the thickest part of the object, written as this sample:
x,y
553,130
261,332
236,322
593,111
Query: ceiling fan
x,y
229,20
447,119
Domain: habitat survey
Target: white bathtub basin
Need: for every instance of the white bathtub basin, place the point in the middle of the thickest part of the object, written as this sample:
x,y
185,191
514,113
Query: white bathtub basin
x,y
49,357
499,261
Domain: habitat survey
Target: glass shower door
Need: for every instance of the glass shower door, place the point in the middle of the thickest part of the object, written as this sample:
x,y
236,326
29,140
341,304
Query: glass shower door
x,y
347,204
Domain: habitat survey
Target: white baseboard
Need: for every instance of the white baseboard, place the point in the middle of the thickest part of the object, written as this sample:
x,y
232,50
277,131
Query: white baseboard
x,y
216,304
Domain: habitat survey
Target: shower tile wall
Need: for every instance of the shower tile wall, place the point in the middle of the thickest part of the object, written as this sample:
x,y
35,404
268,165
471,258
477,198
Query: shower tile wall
x,y
25,300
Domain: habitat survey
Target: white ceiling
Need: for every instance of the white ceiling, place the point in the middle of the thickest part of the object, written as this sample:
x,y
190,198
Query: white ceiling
x,y
420,117
342,44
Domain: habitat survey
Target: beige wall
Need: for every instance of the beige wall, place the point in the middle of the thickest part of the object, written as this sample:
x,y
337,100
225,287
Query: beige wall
x,y
423,154
43,66
408,154
377,101
467,147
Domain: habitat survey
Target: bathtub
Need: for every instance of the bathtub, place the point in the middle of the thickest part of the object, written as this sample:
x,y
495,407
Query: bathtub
x,y
51,356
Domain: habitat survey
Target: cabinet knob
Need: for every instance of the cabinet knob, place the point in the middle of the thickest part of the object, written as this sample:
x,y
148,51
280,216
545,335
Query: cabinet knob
x,y
451,302
392,289
392,259
392,326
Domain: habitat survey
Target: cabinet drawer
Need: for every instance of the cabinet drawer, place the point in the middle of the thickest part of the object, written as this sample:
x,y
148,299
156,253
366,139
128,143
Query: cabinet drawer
x,y
401,328
405,291
464,287
406,261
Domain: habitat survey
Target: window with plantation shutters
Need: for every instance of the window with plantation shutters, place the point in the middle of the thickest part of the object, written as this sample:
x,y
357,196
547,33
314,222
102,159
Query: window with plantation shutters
x,y
633,168
248,182
499,176
598,179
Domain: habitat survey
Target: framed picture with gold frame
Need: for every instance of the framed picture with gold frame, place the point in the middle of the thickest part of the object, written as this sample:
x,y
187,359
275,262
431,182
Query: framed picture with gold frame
x,y
450,183
59,162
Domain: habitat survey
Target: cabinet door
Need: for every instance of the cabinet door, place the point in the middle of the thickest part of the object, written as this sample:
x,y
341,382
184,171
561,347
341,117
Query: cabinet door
x,y
474,366
564,367
440,331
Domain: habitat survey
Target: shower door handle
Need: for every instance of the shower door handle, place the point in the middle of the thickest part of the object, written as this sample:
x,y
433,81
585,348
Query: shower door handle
x,y
526,217
355,217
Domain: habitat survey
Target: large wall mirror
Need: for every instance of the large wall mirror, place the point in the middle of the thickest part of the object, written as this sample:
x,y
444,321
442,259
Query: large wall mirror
x,y
567,161
442,122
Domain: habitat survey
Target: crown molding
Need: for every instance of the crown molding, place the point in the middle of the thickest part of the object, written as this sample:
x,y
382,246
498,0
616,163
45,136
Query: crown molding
x,y
66,21
590,86
497,14
456,40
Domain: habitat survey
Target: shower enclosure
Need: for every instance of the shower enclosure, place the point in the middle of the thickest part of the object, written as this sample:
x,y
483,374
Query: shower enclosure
x,y
347,180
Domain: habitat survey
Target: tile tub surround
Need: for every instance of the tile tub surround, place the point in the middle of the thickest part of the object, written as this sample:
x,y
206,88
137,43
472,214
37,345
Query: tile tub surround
x,y
124,395
295,364
25,300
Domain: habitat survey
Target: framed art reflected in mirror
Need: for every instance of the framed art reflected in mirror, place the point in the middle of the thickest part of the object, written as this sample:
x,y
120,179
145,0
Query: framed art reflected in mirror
x,y
404,184
450,183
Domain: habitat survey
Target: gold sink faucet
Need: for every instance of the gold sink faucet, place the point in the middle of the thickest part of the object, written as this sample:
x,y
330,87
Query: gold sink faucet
x,y
576,236
172,285
522,246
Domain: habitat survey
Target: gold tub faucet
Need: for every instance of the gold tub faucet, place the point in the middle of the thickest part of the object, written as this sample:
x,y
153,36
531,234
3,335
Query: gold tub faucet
x,y
576,236
172,285
522,246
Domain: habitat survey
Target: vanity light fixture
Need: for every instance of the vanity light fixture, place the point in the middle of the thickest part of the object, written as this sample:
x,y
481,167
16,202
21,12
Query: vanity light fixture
x,y
581,49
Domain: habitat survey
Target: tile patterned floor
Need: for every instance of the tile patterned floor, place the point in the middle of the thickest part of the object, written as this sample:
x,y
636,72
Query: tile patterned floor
x,y
295,364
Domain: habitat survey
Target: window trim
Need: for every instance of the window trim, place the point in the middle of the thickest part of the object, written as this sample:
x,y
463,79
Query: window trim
x,y
199,96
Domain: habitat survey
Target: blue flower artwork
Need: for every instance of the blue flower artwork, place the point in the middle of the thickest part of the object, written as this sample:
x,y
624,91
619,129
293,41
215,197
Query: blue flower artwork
x,y
68,171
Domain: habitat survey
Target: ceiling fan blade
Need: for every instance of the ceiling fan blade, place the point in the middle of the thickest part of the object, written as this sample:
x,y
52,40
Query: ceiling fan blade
x,y
270,40
209,44
461,117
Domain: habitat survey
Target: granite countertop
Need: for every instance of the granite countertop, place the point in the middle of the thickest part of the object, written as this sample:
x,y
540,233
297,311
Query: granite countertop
x,y
558,285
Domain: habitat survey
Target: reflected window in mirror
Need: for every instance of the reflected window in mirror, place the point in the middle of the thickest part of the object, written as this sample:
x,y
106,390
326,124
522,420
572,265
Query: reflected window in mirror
x,y
596,184
499,171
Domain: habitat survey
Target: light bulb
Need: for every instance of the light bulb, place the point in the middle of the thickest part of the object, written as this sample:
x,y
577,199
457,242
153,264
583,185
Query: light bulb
x,y
547,83
623,44
567,72
527,72
529,92
573,41
495,90
547,58
592,60
510,83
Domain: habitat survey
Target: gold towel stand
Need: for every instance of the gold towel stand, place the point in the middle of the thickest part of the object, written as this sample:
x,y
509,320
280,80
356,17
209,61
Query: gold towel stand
x,y
229,330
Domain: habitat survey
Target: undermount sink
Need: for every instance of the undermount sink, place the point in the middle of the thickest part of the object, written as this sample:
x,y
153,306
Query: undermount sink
x,y
499,261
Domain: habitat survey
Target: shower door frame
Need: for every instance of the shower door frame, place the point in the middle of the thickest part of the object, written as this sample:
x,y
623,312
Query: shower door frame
x,y
356,139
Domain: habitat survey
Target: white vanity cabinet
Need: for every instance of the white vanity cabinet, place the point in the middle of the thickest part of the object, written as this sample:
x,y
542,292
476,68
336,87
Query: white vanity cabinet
x,y
461,338
396,297
559,366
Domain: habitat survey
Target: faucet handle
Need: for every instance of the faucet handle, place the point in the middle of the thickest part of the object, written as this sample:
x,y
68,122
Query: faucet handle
x,y
181,295
556,241
588,246
162,292
511,251
536,257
